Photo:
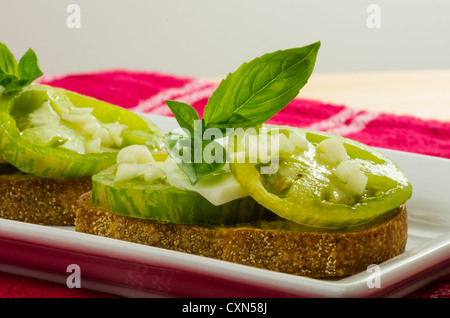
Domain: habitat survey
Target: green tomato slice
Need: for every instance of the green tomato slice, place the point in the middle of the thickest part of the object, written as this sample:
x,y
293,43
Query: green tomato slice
x,y
163,202
306,188
51,132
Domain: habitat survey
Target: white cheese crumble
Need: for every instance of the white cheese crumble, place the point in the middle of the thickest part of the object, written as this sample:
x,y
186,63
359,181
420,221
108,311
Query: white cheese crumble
x,y
332,150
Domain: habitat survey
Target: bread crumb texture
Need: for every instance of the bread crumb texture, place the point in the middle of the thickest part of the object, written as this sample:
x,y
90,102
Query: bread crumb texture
x,y
310,254
27,198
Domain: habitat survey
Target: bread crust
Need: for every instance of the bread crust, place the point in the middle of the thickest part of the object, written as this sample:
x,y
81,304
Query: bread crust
x,y
311,254
32,199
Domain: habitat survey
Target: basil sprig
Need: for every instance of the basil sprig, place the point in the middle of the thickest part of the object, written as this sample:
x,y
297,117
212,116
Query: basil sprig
x,y
250,96
14,76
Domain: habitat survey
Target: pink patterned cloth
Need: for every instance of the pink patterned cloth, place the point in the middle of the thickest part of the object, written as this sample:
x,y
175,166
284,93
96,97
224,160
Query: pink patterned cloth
x,y
146,92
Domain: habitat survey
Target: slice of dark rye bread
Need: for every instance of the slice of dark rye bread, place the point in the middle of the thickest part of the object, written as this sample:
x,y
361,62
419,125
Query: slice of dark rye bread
x,y
31,199
311,254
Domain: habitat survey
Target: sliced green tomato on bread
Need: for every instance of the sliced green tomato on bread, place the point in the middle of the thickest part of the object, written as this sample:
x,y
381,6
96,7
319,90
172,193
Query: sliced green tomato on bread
x,y
324,181
140,187
55,133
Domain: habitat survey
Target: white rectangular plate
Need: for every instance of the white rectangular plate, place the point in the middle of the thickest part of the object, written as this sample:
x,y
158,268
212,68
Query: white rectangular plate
x,y
134,270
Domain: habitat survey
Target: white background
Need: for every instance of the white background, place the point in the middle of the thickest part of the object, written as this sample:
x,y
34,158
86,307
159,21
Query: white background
x,y
209,38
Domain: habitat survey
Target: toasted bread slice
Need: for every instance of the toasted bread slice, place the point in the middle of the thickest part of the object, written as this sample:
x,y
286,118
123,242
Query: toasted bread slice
x,y
274,245
32,199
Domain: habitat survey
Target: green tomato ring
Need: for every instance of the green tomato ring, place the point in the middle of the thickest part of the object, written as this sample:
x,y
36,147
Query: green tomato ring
x,y
59,163
165,203
307,210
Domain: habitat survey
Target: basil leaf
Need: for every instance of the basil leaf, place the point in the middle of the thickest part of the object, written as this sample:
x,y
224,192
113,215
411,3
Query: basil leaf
x,y
8,64
185,114
248,97
28,68
13,76
182,148
260,88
